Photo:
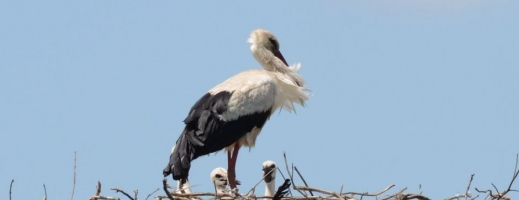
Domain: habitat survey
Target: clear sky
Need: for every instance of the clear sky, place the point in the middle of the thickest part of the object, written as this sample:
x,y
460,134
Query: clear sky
x,y
404,92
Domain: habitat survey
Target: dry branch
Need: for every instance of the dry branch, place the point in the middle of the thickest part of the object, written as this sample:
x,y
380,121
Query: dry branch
x,y
503,195
254,187
98,190
467,193
10,188
103,198
459,196
45,190
370,194
151,194
165,187
74,182
310,189
303,179
125,194
396,195
291,175
326,194
98,193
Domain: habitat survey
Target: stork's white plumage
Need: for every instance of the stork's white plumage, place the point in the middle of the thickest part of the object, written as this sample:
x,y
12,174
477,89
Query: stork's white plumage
x,y
219,179
269,172
183,187
233,113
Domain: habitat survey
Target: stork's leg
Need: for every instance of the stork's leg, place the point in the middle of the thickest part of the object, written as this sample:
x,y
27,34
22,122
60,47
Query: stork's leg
x,y
231,162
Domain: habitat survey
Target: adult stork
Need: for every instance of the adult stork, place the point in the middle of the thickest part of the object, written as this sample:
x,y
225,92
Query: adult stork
x,y
233,113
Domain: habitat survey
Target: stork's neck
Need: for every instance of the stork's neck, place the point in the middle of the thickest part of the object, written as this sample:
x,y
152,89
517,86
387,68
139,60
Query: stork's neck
x,y
220,189
270,190
267,59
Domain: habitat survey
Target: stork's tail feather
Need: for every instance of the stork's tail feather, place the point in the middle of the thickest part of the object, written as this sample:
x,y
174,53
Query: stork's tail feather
x,y
180,160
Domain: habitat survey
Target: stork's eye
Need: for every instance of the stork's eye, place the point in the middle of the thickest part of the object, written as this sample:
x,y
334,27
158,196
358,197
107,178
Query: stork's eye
x,y
273,166
218,176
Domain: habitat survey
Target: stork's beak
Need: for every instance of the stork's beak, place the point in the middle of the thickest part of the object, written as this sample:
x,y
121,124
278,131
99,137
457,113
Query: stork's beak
x,y
267,174
280,56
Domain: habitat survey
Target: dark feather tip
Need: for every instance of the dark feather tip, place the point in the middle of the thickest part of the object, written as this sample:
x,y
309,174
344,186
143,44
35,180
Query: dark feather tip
x,y
282,190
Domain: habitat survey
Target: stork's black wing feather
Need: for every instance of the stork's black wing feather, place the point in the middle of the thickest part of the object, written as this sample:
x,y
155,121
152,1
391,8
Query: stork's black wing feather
x,y
207,132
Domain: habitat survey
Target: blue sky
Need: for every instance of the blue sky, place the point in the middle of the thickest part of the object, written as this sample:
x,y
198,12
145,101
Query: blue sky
x,y
405,92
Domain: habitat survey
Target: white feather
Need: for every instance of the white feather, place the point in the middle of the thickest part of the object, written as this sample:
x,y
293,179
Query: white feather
x,y
258,90
253,91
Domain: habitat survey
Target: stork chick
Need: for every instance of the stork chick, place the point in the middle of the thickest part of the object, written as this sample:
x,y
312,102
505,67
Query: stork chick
x,y
269,172
219,179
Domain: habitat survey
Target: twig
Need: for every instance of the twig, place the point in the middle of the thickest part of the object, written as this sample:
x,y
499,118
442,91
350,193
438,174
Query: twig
x,y
254,188
494,196
458,196
215,190
98,196
467,192
45,190
503,195
303,179
121,191
74,184
165,187
495,188
309,189
10,188
136,192
468,187
516,173
368,194
151,194
396,194
192,195
280,172
235,194
98,191
103,198
340,191
291,176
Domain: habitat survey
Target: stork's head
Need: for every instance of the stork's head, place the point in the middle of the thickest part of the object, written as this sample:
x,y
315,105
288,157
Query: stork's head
x,y
264,46
269,171
219,179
